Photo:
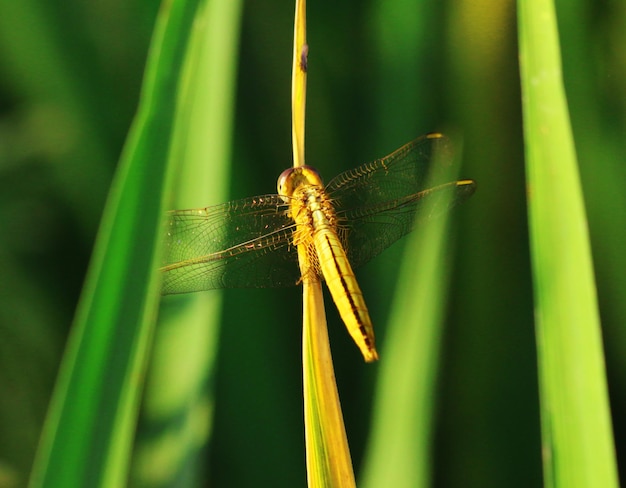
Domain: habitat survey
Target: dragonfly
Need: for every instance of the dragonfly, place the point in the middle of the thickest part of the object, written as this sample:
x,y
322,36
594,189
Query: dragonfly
x,y
253,242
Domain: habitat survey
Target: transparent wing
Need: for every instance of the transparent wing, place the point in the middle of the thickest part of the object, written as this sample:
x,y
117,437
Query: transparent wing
x,y
248,243
376,202
239,244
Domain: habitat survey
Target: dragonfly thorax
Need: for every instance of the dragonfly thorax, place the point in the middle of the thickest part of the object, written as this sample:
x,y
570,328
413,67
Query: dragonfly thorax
x,y
293,178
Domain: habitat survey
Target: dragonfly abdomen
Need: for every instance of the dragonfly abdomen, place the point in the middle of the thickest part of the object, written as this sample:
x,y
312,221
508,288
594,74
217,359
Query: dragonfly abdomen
x,y
345,290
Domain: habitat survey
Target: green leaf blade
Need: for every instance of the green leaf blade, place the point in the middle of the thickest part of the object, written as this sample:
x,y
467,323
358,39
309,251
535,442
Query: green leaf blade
x,y
576,425
176,420
90,425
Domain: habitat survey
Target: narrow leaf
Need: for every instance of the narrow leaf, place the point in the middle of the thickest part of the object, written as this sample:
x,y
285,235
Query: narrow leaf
x,y
576,424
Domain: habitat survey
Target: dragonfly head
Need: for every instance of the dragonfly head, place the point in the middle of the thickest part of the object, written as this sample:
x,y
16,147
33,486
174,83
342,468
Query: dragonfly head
x,y
293,178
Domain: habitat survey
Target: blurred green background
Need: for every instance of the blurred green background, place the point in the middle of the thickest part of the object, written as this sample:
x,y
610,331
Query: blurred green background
x,y
380,74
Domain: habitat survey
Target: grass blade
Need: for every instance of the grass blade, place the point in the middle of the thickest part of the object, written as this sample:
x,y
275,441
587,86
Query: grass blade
x,y
328,460
327,453
399,448
177,410
91,421
576,424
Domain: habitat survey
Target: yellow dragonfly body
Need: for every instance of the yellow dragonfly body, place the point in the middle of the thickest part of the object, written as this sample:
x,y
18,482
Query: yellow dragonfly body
x,y
253,242
316,230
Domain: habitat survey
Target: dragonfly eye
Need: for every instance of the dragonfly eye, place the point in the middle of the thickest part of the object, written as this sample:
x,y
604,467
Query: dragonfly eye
x,y
290,179
284,184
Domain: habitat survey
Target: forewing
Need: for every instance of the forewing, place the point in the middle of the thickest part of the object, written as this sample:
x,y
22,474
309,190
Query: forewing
x,y
404,172
376,203
240,244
